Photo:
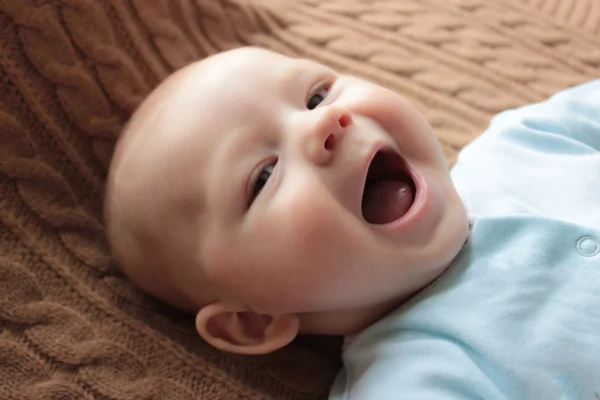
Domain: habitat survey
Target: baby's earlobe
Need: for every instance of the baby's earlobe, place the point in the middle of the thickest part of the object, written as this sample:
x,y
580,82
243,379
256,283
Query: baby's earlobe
x,y
234,329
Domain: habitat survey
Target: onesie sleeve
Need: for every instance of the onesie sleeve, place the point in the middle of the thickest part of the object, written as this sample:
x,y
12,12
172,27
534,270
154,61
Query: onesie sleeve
x,y
572,114
536,158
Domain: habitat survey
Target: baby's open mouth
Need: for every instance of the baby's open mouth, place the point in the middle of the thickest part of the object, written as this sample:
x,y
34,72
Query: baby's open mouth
x,y
389,189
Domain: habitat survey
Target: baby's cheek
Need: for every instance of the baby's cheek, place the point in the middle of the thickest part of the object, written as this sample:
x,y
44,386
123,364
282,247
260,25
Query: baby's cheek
x,y
319,242
312,220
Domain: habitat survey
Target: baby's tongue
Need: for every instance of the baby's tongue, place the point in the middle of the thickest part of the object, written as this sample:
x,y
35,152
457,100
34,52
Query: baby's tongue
x,y
386,200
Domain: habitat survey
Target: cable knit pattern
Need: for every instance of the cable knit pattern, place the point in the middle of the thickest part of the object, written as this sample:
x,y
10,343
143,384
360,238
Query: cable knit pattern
x,y
72,71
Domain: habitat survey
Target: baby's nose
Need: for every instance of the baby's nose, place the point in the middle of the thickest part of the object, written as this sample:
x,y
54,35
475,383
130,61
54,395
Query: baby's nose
x,y
323,138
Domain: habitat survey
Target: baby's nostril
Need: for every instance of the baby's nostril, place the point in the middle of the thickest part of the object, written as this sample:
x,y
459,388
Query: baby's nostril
x,y
345,120
330,142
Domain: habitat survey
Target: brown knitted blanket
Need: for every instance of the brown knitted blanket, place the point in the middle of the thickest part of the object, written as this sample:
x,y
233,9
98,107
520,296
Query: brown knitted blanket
x,y
72,71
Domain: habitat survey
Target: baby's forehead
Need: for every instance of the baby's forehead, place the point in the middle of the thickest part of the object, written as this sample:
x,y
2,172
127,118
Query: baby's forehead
x,y
227,72
226,93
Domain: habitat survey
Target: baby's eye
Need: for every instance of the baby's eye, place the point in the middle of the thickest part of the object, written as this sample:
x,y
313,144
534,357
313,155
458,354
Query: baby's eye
x,y
317,98
261,179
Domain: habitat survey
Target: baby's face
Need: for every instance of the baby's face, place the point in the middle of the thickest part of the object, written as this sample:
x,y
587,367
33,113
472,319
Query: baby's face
x,y
310,191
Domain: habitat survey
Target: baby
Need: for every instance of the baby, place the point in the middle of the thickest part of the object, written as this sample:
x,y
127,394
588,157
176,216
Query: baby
x,y
273,197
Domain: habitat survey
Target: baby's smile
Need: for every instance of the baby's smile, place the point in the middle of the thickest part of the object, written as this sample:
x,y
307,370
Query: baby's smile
x,y
389,190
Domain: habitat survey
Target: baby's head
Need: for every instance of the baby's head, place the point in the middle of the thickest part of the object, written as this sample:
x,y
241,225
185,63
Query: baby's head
x,y
274,196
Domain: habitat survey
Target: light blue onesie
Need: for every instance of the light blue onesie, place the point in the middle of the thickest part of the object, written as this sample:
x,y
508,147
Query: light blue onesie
x,y
517,315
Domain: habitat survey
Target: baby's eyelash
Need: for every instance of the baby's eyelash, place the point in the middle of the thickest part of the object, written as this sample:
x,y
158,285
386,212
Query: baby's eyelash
x,y
262,173
322,85
317,95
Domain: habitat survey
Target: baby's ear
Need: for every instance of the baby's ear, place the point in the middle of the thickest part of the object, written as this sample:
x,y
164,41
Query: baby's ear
x,y
233,328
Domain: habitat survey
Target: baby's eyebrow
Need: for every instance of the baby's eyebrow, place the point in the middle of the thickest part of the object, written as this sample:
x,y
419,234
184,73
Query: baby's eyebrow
x,y
297,71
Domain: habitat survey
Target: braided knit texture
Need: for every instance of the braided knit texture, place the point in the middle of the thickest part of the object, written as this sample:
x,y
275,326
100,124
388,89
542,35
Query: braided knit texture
x,y
72,71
